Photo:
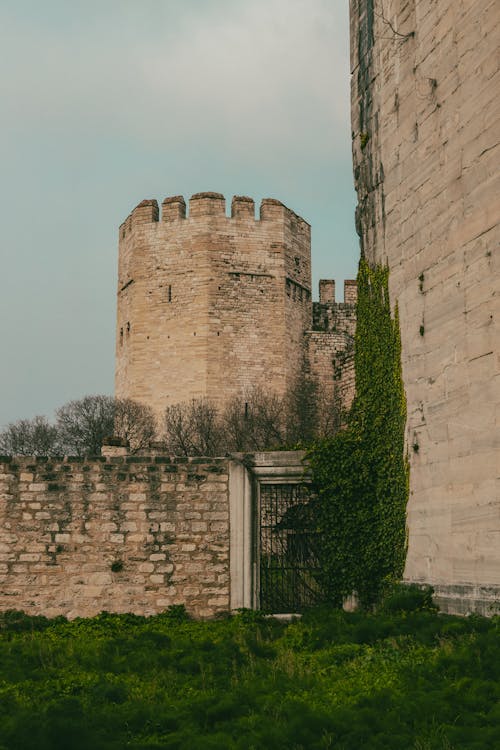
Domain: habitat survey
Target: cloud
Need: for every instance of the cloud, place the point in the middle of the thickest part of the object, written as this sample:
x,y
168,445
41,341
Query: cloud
x,y
267,73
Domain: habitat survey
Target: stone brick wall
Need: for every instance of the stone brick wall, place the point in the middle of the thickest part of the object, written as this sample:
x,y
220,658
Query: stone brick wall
x,y
123,534
330,345
210,305
425,122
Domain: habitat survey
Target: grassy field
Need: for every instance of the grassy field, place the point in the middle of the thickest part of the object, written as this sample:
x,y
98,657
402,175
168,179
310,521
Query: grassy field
x,y
330,680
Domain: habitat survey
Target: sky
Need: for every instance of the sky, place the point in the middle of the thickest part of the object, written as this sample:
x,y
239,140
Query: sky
x,y
105,103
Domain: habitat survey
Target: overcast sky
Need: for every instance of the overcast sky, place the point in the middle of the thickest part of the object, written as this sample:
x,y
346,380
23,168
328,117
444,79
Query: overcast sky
x,y
104,103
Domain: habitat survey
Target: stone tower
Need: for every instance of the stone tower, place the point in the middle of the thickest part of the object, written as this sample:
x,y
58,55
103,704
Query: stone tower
x,y
426,124
210,305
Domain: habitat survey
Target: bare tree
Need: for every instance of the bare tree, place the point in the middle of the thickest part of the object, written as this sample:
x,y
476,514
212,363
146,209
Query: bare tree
x,y
254,421
207,429
302,410
193,429
178,436
30,437
84,423
134,422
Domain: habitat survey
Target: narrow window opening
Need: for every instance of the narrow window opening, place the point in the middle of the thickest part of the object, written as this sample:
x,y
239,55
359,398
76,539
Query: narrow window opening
x,y
121,336
169,293
246,410
128,328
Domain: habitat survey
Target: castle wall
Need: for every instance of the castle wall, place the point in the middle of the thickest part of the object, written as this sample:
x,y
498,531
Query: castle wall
x,y
425,122
330,351
215,304
63,523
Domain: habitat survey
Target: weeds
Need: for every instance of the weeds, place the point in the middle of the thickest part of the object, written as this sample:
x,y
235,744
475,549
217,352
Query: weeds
x,y
406,677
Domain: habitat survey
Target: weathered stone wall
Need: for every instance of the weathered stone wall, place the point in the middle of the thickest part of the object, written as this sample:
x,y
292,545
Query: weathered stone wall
x,y
210,305
330,346
67,525
425,122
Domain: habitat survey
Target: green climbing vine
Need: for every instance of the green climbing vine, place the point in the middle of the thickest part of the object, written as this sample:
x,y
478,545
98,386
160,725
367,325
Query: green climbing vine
x,y
361,473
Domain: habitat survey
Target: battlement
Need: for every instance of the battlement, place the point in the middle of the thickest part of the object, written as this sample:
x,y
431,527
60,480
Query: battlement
x,y
173,209
207,204
327,292
201,205
242,206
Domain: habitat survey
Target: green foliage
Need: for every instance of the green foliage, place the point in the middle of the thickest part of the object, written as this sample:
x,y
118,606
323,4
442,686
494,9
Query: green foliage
x,y
403,597
12,620
355,681
361,474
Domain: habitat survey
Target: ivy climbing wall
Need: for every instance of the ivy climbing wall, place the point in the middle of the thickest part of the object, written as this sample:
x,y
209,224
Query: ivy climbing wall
x,y
425,122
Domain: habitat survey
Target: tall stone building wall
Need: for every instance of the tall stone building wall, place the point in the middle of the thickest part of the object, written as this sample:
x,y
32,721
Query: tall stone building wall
x,y
425,122
210,305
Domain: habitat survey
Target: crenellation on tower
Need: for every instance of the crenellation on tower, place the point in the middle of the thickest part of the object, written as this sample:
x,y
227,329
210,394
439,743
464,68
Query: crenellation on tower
x,y
146,212
242,207
207,204
326,290
272,210
173,209
350,291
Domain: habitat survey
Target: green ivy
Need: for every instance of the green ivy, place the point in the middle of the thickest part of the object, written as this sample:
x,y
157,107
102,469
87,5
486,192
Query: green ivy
x,y
361,473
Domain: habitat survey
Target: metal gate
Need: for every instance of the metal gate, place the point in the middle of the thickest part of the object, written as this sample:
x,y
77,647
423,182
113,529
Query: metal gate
x,y
288,567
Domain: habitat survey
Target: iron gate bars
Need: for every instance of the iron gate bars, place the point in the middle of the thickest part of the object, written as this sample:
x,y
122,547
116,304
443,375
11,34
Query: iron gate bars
x,y
288,562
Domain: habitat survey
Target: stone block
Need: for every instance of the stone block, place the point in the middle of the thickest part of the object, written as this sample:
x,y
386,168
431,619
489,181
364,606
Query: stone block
x,y
198,526
157,578
63,538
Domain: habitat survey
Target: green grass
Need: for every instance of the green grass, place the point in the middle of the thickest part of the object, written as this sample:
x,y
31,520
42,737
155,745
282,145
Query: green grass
x,y
330,680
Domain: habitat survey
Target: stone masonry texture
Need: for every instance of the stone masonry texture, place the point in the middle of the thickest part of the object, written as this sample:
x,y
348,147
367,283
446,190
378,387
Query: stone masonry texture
x,y
425,127
123,534
330,344
210,306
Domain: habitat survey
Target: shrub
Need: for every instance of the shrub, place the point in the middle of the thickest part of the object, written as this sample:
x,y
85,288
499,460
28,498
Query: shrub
x,y
407,597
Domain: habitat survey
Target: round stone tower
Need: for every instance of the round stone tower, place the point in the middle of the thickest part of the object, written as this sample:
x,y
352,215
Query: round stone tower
x,y
210,305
